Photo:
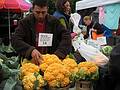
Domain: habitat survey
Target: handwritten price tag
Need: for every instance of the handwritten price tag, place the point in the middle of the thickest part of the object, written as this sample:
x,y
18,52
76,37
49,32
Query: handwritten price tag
x,y
45,39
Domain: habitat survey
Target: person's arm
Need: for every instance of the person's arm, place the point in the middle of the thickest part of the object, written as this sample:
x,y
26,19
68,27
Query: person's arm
x,y
65,44
18,43
22,48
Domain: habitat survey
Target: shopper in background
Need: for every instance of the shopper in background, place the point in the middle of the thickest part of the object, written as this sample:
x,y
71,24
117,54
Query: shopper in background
x,y
63,11
89,23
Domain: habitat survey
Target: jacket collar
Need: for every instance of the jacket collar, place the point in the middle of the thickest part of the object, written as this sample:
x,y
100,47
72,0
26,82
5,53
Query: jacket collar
x,y
33,20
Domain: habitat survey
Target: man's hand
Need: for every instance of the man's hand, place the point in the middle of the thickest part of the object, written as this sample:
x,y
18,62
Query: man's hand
x,y
36,57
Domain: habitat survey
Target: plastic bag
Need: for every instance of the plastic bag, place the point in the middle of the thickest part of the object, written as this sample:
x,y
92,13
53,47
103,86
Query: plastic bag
x,y
75,18
92,54
77,36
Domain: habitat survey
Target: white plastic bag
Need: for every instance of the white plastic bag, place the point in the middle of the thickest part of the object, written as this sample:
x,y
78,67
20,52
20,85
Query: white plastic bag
x,y
75,18
92,54
77,40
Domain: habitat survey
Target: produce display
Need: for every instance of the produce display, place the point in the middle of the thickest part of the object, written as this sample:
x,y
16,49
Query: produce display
x,y
48,60
28,68
57,75
30,79
71,65
87,71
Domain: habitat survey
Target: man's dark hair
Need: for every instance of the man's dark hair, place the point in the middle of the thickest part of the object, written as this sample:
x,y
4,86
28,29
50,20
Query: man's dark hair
x,y
59,4
40,3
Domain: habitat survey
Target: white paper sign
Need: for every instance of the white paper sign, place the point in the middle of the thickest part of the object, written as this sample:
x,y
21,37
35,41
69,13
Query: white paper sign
x,y
45,39
101,40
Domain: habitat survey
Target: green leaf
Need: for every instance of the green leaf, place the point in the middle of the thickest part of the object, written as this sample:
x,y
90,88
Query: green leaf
x,y
10,84
10,49
71,56
14,72
36,75
2,48
36,84
19,85
12,62
73,77
7,49
95,76
7,72
1,61
3,57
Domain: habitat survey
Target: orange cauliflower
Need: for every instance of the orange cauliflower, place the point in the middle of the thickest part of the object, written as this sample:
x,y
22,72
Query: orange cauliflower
x,y
49,59
57,75
91,67
29,80
28,68
88,71
71,65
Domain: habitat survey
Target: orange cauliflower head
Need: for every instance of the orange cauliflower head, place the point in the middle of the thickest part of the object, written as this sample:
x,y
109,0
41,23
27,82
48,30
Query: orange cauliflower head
x,y
29,80
28,68
71,65
57,75
49,59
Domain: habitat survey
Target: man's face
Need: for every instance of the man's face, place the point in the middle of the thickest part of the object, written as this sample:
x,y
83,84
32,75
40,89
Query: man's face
x,y
87,22
40,13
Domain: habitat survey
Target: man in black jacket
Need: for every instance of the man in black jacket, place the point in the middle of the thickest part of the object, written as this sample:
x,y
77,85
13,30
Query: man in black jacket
x,y
40,33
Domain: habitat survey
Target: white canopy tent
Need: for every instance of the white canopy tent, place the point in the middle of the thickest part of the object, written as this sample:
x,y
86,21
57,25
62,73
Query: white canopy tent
x,y
84,4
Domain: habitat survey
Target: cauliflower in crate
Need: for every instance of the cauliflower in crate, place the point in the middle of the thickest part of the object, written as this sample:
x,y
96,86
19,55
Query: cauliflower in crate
x,y
49,59
57,75
32,81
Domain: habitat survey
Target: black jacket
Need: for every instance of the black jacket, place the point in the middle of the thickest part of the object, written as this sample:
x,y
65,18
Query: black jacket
x,y
23,40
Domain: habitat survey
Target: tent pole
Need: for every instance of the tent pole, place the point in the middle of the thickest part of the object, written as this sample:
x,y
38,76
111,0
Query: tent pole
x,y
9,26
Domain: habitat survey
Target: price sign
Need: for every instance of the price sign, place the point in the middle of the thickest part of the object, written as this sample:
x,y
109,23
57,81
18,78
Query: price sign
x,y
45,39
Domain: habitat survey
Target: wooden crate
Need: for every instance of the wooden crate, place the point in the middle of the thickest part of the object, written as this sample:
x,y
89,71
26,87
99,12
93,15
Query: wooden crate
x,y
64,88
83,85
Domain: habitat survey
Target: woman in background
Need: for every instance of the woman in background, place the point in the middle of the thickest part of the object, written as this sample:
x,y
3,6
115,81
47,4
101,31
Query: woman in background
x,y
63,10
